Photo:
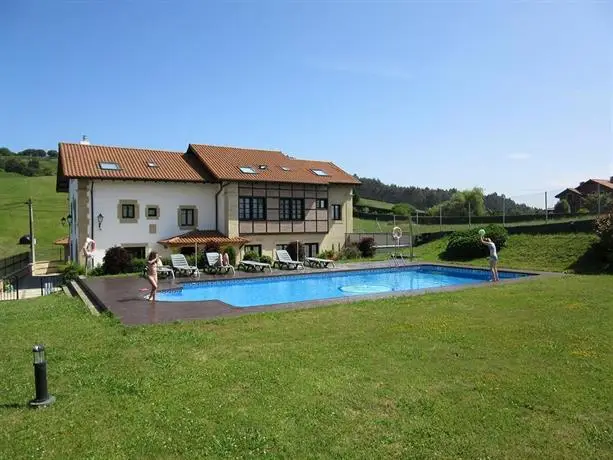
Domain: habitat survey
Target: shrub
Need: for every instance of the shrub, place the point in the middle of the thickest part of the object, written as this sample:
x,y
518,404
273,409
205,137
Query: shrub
x,y
466,245
98,270
116,260
138,265
72,271
211,246
604,230
266,259
367,246
251,255
231,251
583,211
350,252
328,254
295,249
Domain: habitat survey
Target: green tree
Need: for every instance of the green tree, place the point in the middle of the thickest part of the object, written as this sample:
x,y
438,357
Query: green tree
x,y
562,207
590,202
402,209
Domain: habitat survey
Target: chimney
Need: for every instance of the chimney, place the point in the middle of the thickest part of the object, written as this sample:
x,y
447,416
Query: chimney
x,y
84,141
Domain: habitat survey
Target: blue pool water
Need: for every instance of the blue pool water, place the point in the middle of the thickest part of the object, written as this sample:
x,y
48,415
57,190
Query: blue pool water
x,y
326,285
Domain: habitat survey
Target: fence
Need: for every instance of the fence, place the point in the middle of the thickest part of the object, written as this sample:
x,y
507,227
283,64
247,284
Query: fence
x,y
14,263
50,284
9,288
530,209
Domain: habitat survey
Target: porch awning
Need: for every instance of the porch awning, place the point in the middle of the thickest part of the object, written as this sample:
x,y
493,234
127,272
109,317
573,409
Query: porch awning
x,y
201,237
61,241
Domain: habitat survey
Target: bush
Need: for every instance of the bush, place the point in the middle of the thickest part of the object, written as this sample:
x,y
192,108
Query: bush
x,y
466,245
328,254
350,252
266,259
295,249
72,271
98,270
251,255
211,246
231,251
138,265
367,246
583,211
604,230
116,260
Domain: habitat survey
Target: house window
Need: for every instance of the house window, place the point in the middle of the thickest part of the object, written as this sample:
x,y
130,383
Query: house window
x,y
311,249
336,212
257,248
319,172
322,204
137,252
247,170
109,166
251,208
153,212
291,209
188,217
127,211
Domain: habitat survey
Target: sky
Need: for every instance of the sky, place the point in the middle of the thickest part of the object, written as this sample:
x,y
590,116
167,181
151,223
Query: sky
x,y
514,97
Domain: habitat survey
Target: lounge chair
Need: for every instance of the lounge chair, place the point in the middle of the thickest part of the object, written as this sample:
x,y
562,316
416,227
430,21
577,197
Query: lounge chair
x,y
250,265
215,264
163,270
285,260
320,263
179,263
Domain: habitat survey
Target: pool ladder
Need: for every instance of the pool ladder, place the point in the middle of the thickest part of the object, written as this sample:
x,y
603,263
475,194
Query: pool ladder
x,y
397,259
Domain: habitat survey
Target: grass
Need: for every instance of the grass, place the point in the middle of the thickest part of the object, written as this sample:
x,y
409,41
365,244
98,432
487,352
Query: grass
x,y
374,226
48,206
508,371
570,252
375,204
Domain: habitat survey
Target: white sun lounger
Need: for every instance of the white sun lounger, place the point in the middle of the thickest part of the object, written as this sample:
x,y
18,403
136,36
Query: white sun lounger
x,y
285,260
179,263
215,264
321,263
250,265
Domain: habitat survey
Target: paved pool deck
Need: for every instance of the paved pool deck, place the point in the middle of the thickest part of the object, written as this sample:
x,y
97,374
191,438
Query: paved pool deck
x,y
123,298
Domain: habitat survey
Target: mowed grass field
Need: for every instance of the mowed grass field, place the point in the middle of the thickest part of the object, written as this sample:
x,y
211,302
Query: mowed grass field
x,y
570,252
49,207
515,371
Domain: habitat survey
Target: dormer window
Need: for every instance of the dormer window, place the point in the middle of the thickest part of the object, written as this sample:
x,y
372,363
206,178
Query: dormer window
x,y
247,170
109,166
319,172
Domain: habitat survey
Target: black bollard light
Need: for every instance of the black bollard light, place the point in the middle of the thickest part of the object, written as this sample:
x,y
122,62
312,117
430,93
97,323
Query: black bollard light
x,y
43,398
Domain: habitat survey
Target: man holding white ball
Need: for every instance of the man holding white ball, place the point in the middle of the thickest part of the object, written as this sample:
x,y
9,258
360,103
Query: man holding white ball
x,y
493,258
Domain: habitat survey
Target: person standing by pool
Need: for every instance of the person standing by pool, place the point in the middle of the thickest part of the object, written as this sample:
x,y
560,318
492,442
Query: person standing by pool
x,y
493,258
152,274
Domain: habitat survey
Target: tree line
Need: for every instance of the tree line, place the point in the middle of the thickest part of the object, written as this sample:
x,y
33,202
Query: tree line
x,y
29,162
433,201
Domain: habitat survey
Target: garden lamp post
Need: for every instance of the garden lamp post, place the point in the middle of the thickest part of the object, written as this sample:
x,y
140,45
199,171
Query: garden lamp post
x,y
43,398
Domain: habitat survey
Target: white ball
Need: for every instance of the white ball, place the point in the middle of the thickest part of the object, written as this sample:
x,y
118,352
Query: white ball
x,y
481,232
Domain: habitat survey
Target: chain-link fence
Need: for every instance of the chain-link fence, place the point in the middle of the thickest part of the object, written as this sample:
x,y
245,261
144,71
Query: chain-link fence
x,y
538,208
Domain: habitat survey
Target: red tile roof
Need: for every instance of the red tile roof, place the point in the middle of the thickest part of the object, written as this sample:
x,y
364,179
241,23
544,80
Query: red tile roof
x,y
604,183
225,162
78,160
201,237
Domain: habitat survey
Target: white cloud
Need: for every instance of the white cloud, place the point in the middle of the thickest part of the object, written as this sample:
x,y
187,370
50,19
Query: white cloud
x,y
518,156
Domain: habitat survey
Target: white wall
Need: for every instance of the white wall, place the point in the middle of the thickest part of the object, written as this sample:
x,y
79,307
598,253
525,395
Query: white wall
x,y
72,211
168,196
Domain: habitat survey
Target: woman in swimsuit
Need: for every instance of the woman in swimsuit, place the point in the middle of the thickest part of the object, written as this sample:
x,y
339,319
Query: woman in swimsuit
x,y
152,273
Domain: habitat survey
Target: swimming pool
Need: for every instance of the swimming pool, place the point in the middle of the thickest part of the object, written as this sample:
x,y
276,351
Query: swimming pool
x,y
253,292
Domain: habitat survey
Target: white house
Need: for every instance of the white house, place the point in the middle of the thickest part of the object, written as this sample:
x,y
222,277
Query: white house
x,y
146,200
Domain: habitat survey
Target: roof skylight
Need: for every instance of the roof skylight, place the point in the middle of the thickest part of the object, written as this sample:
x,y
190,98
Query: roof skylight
x,y
284,168
152,164
109,166
247,170
319,172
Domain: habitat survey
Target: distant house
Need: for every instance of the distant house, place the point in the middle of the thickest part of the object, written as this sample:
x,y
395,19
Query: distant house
x,y
257,200
575,196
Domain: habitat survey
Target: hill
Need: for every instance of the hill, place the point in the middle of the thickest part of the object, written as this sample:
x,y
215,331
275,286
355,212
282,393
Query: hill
x,y
49,207
425,198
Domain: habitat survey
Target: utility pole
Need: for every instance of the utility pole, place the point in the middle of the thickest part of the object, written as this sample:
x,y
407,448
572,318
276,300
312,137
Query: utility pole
x,y
546,211
503,211
31,212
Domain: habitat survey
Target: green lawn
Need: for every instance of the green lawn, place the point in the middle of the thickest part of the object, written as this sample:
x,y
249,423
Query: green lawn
x,y
507,371
559,252
375,204
49,207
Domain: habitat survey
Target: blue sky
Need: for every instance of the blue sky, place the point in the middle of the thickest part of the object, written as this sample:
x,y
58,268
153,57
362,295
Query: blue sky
x,y
515,97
